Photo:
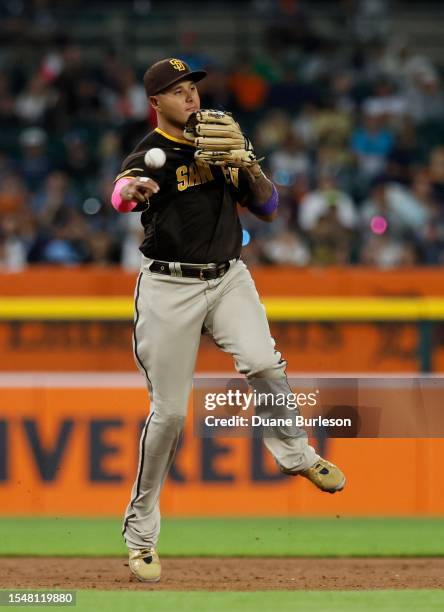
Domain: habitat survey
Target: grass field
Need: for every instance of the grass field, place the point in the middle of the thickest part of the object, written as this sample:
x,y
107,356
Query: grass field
x,y
265,601
230,537
240,537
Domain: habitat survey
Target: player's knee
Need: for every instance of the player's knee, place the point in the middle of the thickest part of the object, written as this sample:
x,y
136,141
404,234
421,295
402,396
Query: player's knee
x,y
170,423
171,412
271,368
175,419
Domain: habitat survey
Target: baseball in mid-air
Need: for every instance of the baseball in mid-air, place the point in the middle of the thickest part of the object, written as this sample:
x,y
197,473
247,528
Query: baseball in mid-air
x,y
155,158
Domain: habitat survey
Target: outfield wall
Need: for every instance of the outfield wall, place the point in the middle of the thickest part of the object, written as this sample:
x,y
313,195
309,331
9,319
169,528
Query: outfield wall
x,y
317,344
69,446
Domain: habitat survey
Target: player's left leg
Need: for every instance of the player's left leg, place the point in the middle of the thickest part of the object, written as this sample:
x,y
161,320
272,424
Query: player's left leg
x,y
238,324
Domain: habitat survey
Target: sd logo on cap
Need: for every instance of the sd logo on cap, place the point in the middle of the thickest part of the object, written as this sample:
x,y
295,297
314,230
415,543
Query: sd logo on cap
x,y
165,73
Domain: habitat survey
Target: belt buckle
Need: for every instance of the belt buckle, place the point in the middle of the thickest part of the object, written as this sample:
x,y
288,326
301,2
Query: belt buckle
x,y
201,271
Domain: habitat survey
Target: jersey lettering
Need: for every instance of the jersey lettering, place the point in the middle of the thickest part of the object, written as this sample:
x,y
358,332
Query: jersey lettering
x,y
182,178
190,176
193,176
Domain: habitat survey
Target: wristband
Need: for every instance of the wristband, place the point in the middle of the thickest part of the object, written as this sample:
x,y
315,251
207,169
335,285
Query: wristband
x,y
116,199
268,207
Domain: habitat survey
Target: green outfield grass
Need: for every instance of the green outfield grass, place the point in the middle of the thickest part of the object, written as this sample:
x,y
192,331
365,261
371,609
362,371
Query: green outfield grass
x,y
265,601
323,537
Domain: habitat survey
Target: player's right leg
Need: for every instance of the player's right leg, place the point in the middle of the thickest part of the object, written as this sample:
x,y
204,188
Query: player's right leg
x,y
169,313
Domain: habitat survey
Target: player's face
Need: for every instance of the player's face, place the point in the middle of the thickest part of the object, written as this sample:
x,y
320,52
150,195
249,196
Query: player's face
x,y
178,102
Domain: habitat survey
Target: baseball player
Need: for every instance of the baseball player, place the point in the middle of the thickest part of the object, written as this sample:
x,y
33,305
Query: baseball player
x,y
192,280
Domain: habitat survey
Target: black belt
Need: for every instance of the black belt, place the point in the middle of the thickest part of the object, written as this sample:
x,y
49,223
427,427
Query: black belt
x,y
204,271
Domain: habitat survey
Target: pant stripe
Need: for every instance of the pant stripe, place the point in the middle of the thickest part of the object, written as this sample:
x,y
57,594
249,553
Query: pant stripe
x,y
145,429
139,471
136,307
142,459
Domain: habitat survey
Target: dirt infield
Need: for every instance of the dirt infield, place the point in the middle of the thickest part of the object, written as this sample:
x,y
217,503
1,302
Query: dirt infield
x,y
225,574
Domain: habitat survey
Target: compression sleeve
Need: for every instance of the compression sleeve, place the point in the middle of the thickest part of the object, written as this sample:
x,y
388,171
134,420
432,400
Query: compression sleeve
x,y
268,207
120,205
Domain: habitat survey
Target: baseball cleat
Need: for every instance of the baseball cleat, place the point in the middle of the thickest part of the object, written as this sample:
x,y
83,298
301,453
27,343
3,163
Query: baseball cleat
x,y
323,474
145,564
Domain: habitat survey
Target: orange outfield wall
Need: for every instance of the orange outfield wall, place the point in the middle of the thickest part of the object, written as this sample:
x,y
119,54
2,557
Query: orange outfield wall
x,y
270,281
71,448
321,347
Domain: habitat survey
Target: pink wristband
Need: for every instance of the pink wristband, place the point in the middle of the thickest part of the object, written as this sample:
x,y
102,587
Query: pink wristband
x,y
116,199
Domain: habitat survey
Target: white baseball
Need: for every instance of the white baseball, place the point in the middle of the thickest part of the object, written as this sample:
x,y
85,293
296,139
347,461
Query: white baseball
x,y
155,158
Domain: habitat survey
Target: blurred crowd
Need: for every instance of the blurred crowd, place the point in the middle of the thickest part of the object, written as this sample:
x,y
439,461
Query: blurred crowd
x,y
352,134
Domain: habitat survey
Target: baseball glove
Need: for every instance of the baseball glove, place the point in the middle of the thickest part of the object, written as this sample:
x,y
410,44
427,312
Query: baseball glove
x,y
219,139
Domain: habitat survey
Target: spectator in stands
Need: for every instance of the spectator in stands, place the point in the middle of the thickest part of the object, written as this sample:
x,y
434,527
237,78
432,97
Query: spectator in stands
x,y
286,248
78,88
328,216
35,163
32,105
385,251
13,194
430,241
249,88
55,195
102,249
8,166
330,242
65,241
191,52
12,247
109,154
215,89
8,117
289,25
436,171
290,159
331,125
327,201
370,18
405,155
128,102
304,123
272,130
425,97
372,143
394,208
386,102
79,164
430,236
341,87
290,93
402,63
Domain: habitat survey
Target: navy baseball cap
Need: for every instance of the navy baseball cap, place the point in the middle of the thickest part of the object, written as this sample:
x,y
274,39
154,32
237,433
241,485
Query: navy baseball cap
x,y
165,73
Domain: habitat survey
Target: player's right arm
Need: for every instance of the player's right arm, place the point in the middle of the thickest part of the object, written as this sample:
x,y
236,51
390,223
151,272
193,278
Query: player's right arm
x,y
131,193
140,189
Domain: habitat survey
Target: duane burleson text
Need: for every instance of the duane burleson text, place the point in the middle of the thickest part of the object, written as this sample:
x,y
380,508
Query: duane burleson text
x,y
258,421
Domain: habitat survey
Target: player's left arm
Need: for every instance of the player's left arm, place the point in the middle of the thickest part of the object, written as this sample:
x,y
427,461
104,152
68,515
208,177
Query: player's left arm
x,y
261,197
219,141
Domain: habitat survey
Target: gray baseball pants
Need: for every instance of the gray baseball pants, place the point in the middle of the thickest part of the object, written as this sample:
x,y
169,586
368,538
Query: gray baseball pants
x,y
170,312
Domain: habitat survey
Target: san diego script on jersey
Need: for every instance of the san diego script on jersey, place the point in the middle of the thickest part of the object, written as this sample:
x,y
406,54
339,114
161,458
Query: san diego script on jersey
x,y
193,218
